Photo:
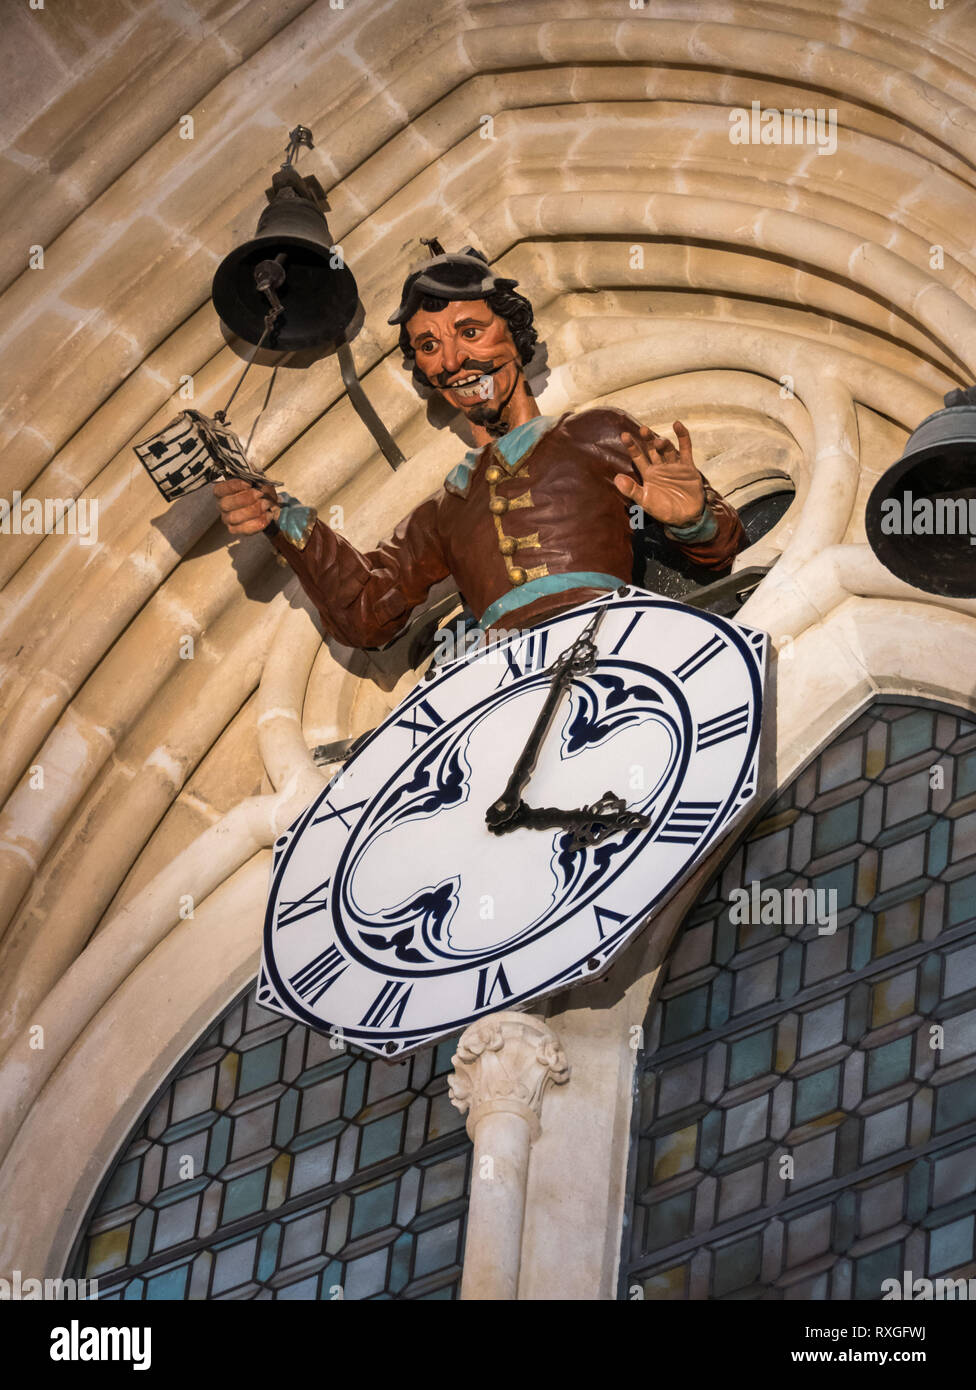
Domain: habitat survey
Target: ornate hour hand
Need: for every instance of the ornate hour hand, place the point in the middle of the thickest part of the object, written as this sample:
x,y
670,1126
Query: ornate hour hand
x,y
591,823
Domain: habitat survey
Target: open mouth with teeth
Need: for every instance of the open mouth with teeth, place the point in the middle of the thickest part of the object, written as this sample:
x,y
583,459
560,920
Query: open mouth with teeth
x,y
471,388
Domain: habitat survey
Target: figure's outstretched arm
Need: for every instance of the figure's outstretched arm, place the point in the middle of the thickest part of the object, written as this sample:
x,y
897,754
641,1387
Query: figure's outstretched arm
x,y
364,599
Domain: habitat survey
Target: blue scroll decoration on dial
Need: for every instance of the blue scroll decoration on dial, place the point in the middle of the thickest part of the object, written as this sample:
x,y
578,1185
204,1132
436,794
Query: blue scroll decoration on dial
x,y
597,714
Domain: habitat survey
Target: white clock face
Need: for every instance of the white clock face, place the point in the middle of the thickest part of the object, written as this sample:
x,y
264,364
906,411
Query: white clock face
x,y
397,916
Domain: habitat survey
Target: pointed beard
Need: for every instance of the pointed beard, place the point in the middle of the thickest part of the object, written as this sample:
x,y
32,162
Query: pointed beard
x,y
489,419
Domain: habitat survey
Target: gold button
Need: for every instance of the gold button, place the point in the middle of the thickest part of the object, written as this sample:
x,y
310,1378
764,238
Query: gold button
x,y
498,506
494,474
517,576
507,545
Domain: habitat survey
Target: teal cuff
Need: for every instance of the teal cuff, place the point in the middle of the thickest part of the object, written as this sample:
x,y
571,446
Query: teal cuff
x,y
703,529
295,521
548,584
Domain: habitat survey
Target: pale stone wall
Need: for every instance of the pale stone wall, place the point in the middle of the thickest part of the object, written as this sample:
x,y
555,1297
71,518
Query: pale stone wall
x,y
673,273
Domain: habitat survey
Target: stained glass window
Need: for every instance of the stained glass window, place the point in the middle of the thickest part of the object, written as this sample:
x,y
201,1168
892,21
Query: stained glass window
x,y
805,1124
275,1166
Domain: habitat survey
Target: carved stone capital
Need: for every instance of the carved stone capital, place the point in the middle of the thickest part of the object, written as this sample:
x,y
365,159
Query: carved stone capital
x,y
504,1063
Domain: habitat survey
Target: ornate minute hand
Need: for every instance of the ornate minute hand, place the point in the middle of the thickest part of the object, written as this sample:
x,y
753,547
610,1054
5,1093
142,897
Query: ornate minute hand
x,y
577,660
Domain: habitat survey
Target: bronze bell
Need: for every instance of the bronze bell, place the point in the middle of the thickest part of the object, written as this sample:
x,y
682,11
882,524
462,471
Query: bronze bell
x,y
921,514
291,261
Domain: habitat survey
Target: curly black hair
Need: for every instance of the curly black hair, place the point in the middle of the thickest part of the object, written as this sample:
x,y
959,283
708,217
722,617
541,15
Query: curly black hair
x,y
514,308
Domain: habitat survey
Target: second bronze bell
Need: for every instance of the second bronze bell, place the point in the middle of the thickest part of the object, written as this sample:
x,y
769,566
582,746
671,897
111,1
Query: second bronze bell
x,y
921,515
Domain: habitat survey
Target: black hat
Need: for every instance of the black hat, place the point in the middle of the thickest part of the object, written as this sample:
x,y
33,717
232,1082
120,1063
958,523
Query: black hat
x,y
462,275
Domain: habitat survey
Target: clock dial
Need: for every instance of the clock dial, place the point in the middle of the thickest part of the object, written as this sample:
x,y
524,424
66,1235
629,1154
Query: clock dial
x,y
397,916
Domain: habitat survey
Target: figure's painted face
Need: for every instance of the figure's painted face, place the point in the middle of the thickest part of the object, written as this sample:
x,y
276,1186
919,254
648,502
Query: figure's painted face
x,y
466,351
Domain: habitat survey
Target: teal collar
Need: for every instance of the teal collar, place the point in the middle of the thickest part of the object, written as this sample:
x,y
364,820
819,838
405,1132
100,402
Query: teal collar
x,y
511,448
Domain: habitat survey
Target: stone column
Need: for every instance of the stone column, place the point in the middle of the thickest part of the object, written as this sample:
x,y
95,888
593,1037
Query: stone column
x,y
502,1068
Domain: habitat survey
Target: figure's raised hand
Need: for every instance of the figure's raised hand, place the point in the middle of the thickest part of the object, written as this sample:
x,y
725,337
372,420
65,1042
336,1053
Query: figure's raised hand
x,y
245,510
670,488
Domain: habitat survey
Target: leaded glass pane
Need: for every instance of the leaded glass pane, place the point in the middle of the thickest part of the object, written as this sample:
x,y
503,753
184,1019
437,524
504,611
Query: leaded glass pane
x,y
274,1166
806,1113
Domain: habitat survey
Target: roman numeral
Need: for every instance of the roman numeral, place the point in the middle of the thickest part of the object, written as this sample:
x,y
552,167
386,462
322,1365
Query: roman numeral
x,y
341,812
722,727
607,914
626,632
701,658
320,974
416,726
524,656
486,991
688,822
303,907
390,1002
